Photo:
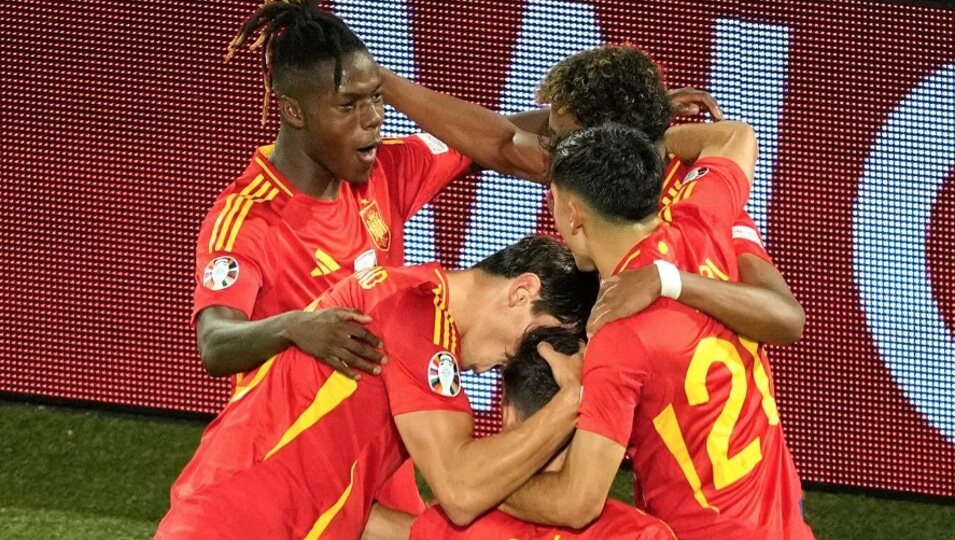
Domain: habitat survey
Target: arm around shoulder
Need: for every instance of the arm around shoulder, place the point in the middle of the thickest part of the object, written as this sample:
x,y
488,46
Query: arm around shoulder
x,y
732,140
469,476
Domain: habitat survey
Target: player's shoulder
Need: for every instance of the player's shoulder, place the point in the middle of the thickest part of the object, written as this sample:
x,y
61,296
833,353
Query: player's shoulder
x,y
242,216
713,165
417,145
408,289
410,302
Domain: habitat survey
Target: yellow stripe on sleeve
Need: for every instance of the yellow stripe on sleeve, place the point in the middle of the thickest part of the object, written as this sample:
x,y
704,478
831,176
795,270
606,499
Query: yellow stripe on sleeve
x,y
259,197
229,201
437,321
328,515
233,203
335,390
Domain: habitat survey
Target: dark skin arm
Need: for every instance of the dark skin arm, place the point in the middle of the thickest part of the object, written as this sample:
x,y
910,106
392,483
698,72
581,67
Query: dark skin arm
x,y
479,133
686,102
532,121
229,343
760,307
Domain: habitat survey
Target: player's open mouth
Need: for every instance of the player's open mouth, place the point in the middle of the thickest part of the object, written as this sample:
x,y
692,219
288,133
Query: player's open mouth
x,y
367,154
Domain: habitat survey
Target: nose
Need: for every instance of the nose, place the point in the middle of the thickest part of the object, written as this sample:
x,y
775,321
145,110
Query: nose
x,y
373,115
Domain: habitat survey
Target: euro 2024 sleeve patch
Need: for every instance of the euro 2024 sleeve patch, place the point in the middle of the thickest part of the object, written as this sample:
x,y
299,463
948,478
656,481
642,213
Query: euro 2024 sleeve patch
x,y
433,143
696,174
220,273
444,375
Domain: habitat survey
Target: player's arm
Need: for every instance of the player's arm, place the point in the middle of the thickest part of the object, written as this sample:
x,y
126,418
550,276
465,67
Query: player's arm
x,y
575,495
761,307
479,133
387,524
732,140
469,476
685,102
229,343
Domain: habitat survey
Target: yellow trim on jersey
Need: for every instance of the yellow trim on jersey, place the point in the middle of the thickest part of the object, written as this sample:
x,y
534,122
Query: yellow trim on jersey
x,y
230,243
242,390
236,209
436,339
392,141
225,216
670,174
335,390
275,179
445,331
328,515
626,262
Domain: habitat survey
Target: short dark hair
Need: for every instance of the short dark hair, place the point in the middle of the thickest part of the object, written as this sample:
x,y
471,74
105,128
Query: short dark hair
x,y
613,83
567,293
528,380
616,169
294,35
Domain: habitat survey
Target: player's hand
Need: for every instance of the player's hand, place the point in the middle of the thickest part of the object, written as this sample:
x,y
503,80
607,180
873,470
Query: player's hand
x,y
567,369
691,102
623,295
336,337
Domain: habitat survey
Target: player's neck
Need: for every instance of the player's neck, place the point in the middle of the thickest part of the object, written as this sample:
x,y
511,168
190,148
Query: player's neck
x,y
613,241
463,290
307,175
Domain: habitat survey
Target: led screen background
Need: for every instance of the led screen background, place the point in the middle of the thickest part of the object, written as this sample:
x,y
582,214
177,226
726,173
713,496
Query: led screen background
x,y
123,123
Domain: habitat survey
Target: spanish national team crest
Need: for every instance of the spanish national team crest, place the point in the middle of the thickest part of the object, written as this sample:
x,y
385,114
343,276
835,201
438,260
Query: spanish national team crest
x,y
444,376
221,273
696,174
376,226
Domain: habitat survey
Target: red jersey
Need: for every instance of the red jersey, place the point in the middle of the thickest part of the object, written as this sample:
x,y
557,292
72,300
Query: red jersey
x,y
746,235
265,248
691,401
618,520
301,450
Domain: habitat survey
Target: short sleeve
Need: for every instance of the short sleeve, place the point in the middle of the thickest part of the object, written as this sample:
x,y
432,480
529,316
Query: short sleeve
x,y
612,382
420,375
417,168
229,276
747,239
713,193
226,279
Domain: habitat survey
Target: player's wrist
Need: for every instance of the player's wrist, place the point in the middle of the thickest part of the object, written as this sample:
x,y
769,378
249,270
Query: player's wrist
x,y
570,397
671,283
288,329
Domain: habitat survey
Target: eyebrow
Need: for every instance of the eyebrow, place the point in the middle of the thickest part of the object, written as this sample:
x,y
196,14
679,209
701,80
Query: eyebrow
x,y
357,95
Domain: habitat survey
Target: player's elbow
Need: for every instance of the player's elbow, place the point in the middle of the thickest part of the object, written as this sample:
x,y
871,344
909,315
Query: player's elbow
x,y
788,324
213,355
582,509
213,360
458,505
793,324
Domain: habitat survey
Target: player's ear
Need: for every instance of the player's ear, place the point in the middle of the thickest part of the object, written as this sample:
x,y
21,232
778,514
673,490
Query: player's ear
x,y
508,415
525,289
576,215
291,111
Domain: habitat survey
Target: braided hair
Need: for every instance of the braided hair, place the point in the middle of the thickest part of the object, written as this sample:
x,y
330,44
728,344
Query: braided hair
x,y
294,35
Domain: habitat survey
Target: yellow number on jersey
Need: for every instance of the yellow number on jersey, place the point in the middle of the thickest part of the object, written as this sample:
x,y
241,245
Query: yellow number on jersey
x,y
370,277
726,469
